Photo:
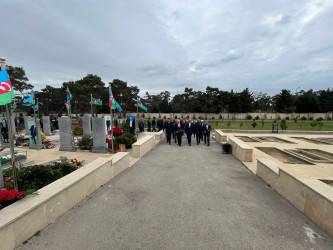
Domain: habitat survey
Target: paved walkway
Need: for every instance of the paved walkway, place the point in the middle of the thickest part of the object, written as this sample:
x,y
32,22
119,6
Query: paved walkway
x,y
183,198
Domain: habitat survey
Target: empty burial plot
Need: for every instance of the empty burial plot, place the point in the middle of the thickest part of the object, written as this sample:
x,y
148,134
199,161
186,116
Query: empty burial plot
x,y
320,153
283,156
314,140
272,139
246,139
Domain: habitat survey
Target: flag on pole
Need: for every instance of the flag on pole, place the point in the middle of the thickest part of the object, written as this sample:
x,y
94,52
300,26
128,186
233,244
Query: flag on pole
x,y
29,101
6,88
35,107
96,101
111,99
141,105
117,105
13,107
69,98
69,95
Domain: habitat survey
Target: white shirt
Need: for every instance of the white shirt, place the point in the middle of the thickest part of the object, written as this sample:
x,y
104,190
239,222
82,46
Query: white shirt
x,y
189,125
179,125
130,123
207,127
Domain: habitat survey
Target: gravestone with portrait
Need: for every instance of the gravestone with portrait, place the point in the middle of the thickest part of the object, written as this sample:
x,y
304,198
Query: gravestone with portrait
x,y
65,131
86,120
46,125
34,134
4,133
107,124
2,185
99,136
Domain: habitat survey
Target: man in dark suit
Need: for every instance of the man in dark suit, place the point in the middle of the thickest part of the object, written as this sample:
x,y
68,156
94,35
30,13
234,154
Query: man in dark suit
x,y
189,128
198,130
179,128
168,130
173,121
206,132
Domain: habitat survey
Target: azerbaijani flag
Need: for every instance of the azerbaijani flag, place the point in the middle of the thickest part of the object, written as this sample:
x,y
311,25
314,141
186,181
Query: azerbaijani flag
x,y
69,95
35,107
118,106
29,101
69,98
6,88
141,105
13,108
96,101
111,99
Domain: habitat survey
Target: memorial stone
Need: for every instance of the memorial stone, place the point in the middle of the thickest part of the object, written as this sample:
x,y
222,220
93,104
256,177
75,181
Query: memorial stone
x,y
34,134
86,125
65,131
99,136
12,120
26,125
46,125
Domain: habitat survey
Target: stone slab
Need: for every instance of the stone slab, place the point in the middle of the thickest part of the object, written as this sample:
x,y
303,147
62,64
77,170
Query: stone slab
x,y
99,136
86,120
65,131
46,125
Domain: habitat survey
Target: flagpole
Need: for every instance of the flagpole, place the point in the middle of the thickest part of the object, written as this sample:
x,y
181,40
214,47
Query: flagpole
x,y
91,105
38,108
111,119
137,117
70,116
37,125
10,135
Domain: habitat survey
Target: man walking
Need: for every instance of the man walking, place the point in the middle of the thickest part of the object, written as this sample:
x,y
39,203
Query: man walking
x,y
153,123
189,128
206,132
179,128
198,131
142,125
168,130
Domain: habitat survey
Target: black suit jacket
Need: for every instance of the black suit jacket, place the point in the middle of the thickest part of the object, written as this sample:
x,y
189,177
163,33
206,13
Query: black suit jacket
x,y
179,129
207,131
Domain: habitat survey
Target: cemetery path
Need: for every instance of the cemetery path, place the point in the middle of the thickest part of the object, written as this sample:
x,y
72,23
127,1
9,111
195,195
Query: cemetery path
x,y
183,198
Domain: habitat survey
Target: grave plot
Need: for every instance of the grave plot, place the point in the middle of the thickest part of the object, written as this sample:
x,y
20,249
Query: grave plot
x,y
313,155
283,156
324,140
247,139
271,139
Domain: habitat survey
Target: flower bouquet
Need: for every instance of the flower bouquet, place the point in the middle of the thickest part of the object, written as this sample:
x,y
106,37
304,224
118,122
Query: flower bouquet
x,y
48,144
8,197
116,131
76,162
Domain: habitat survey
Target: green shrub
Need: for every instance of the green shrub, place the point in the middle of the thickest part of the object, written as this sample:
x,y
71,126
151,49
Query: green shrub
x,y
241,125
254,124
303,118
262,123
314,123
283,124
311,118
249,117
86,142
52,128
329,118
228,124
126,138
287,118
176,117
279,118
143,115
257,117
320,124
221,117
124,126
194,117
213,118
320,119
64,168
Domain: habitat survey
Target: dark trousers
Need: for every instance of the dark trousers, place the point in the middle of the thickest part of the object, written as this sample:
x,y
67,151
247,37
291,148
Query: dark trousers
x,y
179,138
189,137
154,128
207,138
198,137
174,136
149,129
169,138
132,131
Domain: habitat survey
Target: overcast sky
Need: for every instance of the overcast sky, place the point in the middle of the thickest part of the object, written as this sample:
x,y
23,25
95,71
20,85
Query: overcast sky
x,y
263,45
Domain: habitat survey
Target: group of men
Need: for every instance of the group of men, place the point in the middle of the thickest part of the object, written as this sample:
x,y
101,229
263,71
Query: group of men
x,y
177,128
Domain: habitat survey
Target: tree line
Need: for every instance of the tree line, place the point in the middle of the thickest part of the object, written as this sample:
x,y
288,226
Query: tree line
x,y
212,100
